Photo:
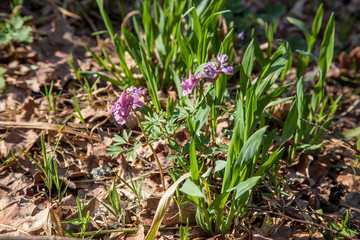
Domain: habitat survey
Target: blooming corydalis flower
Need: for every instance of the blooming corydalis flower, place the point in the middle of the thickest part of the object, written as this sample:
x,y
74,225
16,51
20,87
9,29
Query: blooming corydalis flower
x,y
190,83
122,107
219,66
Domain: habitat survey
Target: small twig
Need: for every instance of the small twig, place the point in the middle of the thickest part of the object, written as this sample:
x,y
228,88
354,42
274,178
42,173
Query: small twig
x,y
14,228
47,126
98,125
124,230
128,16
153,151
104,232
301,221
333,134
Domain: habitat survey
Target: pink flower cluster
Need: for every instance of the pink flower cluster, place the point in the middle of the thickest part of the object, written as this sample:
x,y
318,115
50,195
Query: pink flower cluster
x,y
128,99
190,83
219,66
211,69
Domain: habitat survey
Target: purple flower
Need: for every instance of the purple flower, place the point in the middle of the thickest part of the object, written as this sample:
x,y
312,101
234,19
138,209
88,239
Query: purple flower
x,y
241,36
190,83
136,93
122,107
219,66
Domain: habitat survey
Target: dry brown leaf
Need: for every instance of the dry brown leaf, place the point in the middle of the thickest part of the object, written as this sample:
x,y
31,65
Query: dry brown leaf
x,y
15,139
22,214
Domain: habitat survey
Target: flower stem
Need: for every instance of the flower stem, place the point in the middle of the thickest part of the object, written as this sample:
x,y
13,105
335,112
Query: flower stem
x,y
153,151
209,124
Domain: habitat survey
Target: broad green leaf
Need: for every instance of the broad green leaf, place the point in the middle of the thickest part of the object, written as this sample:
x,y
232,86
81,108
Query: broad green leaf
x,y
269,163
247,152
201,117
248,60
16,22
246,186
191,189
133,45
270,74
219,165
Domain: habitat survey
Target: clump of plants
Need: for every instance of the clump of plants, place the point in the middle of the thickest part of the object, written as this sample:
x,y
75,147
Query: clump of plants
x,y
193,56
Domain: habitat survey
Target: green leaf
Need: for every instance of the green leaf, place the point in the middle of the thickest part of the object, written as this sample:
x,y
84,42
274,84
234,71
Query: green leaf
x,y
270,73
194,169
211,21
300,24
355,132
98,59
191,189
196,24
177,81
290,123
105,18
247,66
327,46
219,165
204,109
317,21
245,187
133,44
310,147
269,163
247,153
105,77
16,22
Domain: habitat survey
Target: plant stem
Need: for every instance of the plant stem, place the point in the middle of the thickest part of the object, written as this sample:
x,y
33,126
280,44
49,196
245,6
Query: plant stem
x,y
211,128
152,150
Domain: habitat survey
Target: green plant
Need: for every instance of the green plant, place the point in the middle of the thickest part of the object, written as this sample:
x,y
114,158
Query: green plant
x,y
13,29
50,98
220,187
77,108
303,60
136,189
82,221
123,144
10,159
114,207
84,83
51,172
342,228
315,109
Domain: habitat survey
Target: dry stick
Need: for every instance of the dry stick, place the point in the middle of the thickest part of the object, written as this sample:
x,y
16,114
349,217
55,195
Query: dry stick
x,y
14,228
302,221
47,126
332,134
152,150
